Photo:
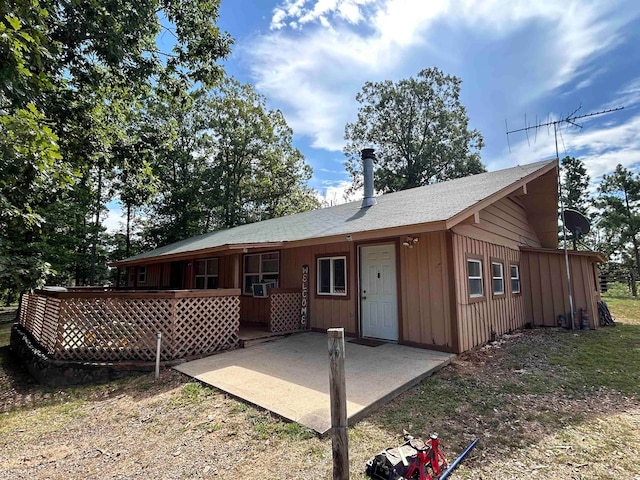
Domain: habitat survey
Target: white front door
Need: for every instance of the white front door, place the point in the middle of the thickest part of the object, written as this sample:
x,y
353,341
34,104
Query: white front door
x,y
378,292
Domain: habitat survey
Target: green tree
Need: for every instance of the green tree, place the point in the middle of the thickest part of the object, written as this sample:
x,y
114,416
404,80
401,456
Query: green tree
x,y
575,184
575,194
134,183
31,171
30,160
73,70
256,173
222,159
174,125
619,202
419,129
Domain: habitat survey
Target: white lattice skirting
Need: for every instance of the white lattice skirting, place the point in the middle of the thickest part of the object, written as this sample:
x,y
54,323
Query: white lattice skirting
x,y
285,312
123,327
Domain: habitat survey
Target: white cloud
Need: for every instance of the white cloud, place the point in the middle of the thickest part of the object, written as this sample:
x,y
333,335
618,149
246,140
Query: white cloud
x,y
313,70
290,8
628,96
336,193
308,77
600,148
299,13
587,81
115,219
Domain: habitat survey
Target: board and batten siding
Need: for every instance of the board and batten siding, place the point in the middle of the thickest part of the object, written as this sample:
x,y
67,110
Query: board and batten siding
x,y
254,310
504,223
425,292
479,320
157,276
324,312
547,296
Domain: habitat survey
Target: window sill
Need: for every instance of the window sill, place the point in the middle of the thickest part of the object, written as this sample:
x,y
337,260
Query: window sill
x,y
332,296
483,298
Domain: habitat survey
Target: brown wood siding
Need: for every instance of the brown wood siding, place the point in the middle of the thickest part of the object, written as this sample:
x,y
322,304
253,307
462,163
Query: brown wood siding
x,y
425,296
478,320
226,271
159,274
153,277
254,310
503,223
330,312
548,296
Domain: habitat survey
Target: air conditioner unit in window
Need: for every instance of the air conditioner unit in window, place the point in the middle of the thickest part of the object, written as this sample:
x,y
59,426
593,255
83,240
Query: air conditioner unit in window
x,y
260,290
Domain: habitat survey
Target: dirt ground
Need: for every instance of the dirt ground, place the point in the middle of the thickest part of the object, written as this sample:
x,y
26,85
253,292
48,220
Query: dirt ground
x,y
533,419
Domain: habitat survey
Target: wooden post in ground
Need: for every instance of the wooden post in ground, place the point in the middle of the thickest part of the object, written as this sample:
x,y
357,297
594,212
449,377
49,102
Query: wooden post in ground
x,y
338,398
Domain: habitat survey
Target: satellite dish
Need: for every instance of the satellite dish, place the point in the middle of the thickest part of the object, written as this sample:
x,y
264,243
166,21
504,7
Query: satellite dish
x,y
576,223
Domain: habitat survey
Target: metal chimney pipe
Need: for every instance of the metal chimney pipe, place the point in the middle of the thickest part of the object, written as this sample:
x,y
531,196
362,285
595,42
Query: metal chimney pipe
x,y
367,165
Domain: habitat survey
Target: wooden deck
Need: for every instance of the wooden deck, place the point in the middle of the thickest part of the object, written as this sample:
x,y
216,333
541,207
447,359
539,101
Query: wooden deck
x,y
110,326
255,334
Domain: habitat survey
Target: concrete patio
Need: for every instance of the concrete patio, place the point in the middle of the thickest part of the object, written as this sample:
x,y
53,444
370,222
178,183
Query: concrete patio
x,y
290,376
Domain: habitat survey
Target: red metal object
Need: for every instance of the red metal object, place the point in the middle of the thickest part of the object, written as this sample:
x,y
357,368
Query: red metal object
x,y
429,462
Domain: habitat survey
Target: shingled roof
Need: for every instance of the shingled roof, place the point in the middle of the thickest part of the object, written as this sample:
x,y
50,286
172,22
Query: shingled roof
x,y
439,202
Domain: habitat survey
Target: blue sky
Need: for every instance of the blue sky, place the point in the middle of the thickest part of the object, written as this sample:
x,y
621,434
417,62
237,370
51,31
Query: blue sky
x,y
309,58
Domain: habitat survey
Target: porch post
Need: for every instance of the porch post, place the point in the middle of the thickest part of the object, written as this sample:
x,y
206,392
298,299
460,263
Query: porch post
x,y
236,271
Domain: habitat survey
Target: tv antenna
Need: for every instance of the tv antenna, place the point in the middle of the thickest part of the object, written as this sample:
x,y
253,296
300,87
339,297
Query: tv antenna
x,y
570,119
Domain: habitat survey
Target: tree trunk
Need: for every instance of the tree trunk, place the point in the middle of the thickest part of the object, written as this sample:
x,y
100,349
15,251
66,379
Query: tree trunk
x,y
96,226
636,253
634,241
127,249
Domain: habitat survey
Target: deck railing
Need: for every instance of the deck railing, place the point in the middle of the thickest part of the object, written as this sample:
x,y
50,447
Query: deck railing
x,y
111,326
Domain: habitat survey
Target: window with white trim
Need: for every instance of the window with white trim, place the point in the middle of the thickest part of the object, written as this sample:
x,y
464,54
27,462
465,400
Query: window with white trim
x,y
260,268
515,278
332,276
474,273
142,274
497,278
206,273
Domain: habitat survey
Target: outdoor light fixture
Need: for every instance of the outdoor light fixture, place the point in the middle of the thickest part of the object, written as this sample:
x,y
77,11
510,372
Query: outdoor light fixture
x,y
349,238
410,242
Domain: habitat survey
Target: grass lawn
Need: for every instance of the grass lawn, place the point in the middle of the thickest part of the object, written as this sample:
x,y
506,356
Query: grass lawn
x,y
545,403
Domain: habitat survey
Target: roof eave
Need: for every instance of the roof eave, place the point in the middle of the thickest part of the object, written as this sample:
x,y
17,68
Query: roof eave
x,y
595,256
193,253
347,236
471,211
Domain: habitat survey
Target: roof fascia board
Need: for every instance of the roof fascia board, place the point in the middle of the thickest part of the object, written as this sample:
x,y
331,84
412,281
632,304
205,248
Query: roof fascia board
x,y
202,252
508,190
355,237
243,246
597,256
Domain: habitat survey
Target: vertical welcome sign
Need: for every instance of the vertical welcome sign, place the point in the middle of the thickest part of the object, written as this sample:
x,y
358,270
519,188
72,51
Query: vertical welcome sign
x,y
304,311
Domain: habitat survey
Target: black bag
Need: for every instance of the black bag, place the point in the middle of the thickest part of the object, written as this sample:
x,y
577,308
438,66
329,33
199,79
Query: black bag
x,y
389,464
